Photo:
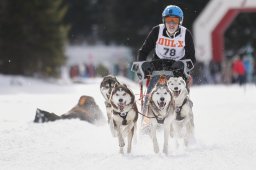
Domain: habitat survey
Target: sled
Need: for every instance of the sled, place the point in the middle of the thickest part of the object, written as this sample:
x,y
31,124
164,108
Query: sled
x,y
161,67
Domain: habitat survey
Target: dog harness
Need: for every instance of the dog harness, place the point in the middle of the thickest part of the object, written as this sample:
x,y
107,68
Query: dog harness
x,y
178,110
122,115
158,119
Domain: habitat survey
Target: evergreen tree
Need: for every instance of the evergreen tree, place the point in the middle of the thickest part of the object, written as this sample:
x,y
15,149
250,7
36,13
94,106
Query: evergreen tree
x,y
82,15
122,22
33,37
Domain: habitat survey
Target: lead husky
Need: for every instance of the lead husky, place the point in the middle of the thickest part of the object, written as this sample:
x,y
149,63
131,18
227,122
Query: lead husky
x,y
124,115
161,107
106,86
183,125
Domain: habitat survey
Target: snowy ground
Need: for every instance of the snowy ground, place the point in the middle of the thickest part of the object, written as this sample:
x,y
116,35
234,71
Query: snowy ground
x,y
225,120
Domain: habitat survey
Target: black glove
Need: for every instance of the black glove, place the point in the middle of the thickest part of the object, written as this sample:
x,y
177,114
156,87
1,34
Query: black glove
x,y
178,65
147,68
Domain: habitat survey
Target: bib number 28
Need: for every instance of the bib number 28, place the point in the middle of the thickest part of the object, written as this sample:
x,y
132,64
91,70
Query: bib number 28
x,y
171,52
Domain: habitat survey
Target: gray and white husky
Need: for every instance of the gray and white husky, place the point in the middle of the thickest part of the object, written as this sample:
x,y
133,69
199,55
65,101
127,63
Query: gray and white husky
x,y
106,86
161,107
183,125
124,115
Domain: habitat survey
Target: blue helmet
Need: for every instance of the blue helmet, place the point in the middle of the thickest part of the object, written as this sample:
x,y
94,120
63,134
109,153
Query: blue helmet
x,y
173,10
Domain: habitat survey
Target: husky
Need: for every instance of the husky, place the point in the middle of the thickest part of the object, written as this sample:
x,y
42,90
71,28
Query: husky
x,y
183,125
106,86
161,107
124,115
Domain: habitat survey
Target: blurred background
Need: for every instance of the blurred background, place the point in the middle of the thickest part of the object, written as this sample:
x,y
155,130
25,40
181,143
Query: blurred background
x,y
80,39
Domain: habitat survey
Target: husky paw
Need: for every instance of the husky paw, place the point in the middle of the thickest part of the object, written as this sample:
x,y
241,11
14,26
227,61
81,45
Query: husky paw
x,y
129,150
121,144
165,150
121,150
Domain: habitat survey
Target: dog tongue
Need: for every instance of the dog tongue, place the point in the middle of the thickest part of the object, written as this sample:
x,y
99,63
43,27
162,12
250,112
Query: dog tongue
x,y
176,93
161,104
121,107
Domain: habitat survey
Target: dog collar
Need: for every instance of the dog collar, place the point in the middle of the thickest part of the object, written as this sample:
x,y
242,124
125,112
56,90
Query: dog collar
x,y
158,119
122,115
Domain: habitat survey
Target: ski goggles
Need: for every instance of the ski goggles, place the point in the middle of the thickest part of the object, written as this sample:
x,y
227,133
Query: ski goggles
x,y
170,19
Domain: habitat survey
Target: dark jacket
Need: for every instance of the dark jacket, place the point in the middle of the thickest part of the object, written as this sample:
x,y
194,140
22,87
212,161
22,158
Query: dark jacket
x,y
150,43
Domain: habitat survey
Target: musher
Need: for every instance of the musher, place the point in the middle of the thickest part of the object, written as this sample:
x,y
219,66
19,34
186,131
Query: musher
x,y
170,40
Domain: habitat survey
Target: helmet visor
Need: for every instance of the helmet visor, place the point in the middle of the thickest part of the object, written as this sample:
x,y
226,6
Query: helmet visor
x,y
170,19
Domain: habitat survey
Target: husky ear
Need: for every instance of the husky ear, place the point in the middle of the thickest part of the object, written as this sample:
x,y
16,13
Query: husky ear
x,y
183,81
117,82
169,81
125,85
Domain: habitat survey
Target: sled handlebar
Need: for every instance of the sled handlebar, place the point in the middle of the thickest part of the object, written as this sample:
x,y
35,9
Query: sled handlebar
x,y
145,68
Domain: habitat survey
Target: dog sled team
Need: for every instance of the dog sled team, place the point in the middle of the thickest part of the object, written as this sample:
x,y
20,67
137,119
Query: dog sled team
x,y
166,102
167,99
168,105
